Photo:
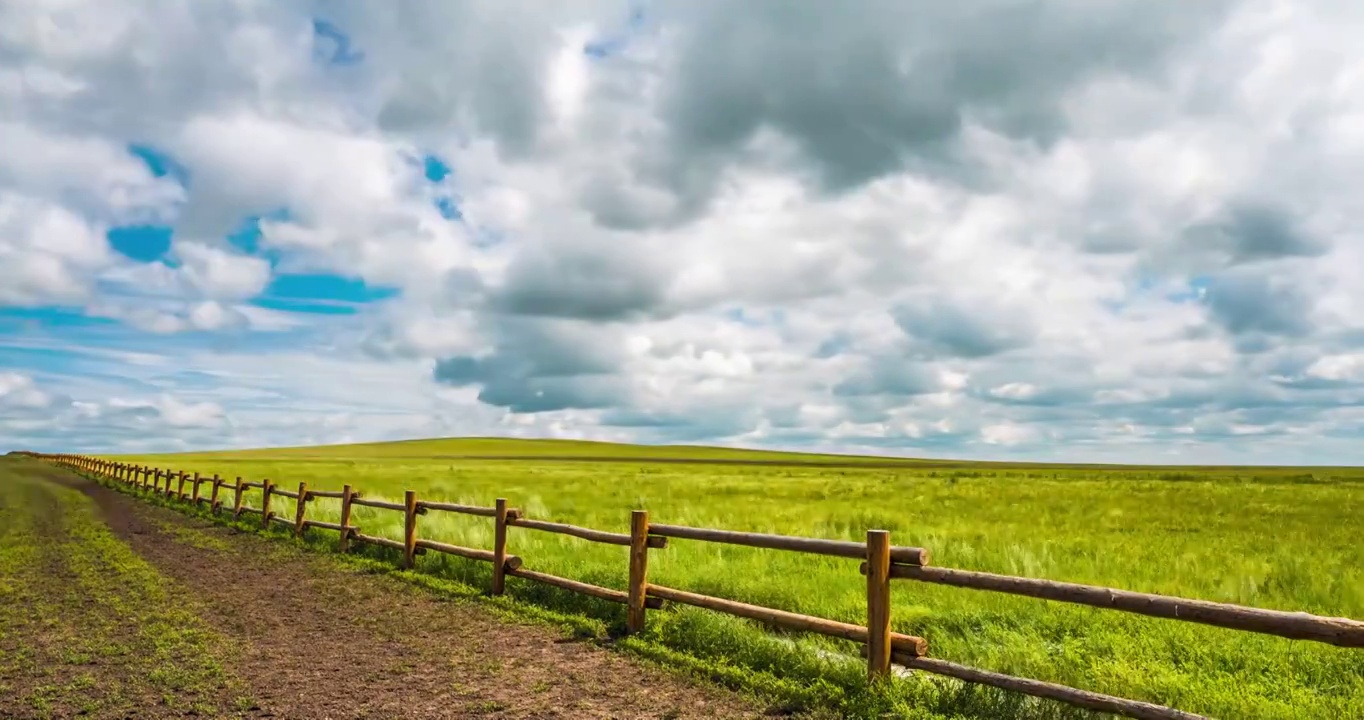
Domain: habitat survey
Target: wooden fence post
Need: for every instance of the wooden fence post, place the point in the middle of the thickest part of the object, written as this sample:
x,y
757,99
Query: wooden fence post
x,y
265,503
410,529
878,604
344,543
194,495
639,570
213,498
302,505
180,486
500,548
167,475
237,499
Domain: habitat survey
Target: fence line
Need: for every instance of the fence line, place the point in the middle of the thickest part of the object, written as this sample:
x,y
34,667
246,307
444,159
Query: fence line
x,y
882,563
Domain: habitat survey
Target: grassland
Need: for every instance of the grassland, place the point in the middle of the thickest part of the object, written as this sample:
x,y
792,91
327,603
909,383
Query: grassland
x,y
1279,538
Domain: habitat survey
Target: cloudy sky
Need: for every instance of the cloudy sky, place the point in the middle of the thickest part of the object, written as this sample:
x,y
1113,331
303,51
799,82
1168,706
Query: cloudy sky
x,y
1070,230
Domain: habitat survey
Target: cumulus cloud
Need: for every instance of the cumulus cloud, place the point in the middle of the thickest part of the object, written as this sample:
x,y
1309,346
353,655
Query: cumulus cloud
x,y
1006,229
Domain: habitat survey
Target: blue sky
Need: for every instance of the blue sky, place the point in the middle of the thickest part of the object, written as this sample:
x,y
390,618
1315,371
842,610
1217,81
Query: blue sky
x,y
666,223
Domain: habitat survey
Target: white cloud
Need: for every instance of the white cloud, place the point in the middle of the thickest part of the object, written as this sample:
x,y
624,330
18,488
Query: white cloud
x,y
218,274
48,255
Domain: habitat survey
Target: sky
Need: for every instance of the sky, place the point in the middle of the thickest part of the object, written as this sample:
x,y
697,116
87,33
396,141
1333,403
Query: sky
x,y
1070,230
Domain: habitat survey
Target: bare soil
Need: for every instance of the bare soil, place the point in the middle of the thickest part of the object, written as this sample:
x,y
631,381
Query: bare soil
x,y
313,638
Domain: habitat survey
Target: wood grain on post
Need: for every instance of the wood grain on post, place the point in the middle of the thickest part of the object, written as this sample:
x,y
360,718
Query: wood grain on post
x,y
1343,632
266,487
878,604
639,570
301,507
213,498
237,498
180,486
1053,691
409,529
500,547
194,495
344,544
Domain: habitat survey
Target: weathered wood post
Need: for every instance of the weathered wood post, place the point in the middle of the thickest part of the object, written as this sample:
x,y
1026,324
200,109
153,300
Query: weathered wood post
x,y
267,486
237,499
878,604
167,474
194,495
346,496
639,570
180,486
302,506
409,529
500,547
213,498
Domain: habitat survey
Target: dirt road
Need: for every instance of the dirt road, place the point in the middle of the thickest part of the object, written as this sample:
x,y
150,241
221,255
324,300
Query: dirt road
x,y
114,608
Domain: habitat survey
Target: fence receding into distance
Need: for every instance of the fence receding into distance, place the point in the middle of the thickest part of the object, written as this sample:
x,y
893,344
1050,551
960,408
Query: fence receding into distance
x,y
881,563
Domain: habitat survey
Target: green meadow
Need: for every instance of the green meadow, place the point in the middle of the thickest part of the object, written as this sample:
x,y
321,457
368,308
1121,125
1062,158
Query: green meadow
x,y
1281,538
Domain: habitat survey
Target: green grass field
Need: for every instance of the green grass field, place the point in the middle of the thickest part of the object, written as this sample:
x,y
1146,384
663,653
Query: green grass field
x,y
1281,538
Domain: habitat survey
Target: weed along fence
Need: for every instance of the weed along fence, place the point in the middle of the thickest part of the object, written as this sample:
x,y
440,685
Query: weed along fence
x,y
881,563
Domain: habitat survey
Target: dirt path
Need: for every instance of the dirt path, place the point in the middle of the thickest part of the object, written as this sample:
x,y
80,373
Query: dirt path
x,y
313,639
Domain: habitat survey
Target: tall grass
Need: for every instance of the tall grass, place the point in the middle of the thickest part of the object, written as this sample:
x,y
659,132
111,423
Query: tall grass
x,y
1275,538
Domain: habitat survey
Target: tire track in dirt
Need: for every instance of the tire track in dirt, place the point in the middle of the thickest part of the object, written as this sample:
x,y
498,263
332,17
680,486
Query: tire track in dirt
x,y
321,641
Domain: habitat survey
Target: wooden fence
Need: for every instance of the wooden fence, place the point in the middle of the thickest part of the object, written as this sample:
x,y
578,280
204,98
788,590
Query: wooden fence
x,y
881,564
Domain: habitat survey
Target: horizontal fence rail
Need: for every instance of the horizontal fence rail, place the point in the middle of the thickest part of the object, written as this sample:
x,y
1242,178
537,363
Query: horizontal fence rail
x,y
1342,632
881,564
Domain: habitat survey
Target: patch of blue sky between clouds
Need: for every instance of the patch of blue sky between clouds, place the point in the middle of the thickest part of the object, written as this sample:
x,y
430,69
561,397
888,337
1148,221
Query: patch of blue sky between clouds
x,y
437,171
145,243
247,235
435,168
332,46
320,293
160,162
